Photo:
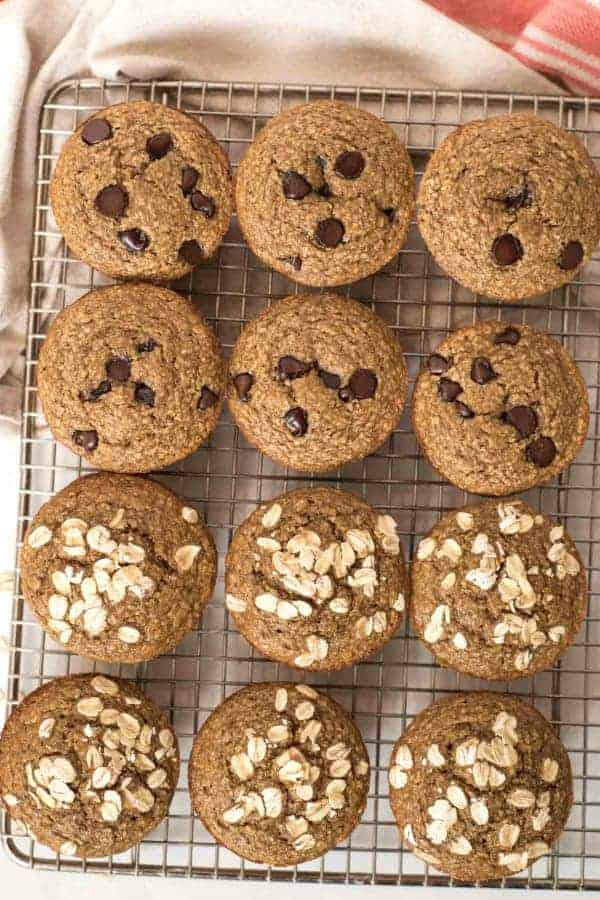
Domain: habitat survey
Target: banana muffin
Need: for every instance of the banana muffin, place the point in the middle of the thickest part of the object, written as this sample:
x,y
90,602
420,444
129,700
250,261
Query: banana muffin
x,y
317,381
480,785
131,377
500,408
279,773
117,568
88,765
510,206
142,190
498,590
325,193
316,579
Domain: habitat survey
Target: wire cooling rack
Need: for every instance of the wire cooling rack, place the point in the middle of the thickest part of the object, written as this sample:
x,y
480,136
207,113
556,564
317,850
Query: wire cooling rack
x,y
227,478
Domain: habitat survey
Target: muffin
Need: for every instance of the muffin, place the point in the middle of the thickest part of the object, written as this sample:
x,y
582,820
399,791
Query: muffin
x,y
279,774
317,381
498,591
131,377
480,786
88,765
316,579
142,190
325,193
500,409
127,582
510,206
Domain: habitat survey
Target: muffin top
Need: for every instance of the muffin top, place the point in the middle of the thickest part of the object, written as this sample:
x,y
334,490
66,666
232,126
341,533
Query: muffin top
x,y
498,590
131,377
325,193
128,581
316,579
88,765
510,206
480,785
142,190
317,381
498,409
279,773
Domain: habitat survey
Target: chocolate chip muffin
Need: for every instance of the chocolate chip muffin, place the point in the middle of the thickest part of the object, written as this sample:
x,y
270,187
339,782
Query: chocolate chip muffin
x,y
117,568
498,591
499,409
480,785
142,190
316,579
325,193
88,765
317,381
131,377
279,774
510,206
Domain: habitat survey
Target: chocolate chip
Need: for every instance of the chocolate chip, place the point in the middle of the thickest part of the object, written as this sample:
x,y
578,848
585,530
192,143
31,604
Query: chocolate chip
x,y
96,130
294,261
363,384
329,233
507,250
481,370
243,382
571,255
523,418
329,379
296,420
541,452
159,145
146,346
349,164
143,393
324,190
448,389
112,201
294,186
191,252
438,364
517,198
118,368
464,411
203,204
189,179
94,394
134,239
87,440
290,367
508,336
390,212
207,398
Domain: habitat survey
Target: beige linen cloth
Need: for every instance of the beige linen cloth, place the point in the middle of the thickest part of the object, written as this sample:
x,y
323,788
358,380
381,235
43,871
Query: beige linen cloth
x,y
399,43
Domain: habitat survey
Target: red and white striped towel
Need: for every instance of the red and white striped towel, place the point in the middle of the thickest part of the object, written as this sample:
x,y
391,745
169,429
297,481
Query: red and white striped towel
x,y
558,37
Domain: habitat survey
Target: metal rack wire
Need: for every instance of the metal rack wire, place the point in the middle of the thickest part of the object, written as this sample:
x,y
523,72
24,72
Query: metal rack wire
x,y
226,479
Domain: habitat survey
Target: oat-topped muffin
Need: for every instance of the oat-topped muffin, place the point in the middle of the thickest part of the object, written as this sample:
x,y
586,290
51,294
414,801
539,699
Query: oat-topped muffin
x,y
498,590
316,579
118,568
510,206
480,785
325,193
142,190
88,765
279,773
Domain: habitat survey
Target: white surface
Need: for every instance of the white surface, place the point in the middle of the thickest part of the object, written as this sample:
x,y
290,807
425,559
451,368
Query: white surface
x,y
368,41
